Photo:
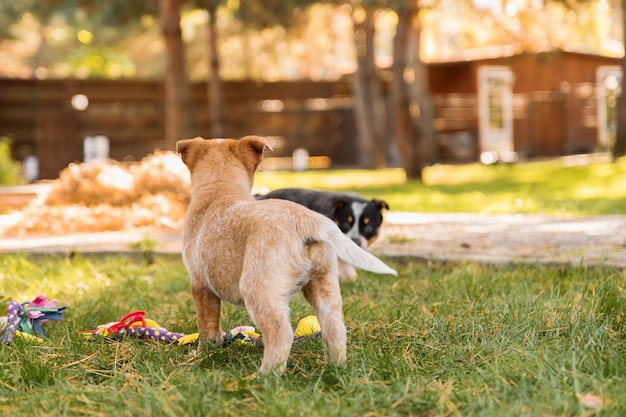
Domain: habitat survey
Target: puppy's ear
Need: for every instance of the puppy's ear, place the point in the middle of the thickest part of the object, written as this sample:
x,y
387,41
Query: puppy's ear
x,y
251,151
381,204
256,143
184,147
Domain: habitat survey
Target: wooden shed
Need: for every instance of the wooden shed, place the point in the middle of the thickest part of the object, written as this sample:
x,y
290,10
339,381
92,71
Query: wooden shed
x,y
538,105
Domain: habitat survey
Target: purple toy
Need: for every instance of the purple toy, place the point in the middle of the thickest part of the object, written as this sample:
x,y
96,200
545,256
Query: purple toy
x,y
27,318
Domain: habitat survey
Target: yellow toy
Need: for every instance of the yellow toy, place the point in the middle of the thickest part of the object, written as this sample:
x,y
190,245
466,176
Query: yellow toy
x,y
308,326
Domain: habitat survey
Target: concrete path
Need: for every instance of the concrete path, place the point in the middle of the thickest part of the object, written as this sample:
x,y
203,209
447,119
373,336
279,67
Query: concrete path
x,y
484,238
505,238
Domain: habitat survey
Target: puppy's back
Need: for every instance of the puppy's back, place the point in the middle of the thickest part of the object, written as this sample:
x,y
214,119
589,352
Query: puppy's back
x,y
312,226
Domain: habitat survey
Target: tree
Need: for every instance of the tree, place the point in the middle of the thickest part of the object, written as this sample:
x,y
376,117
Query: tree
x,y
412,101
215,95
412,104
619,147
178,118
176,85
43,11
261,14
369,101
254,13
120,14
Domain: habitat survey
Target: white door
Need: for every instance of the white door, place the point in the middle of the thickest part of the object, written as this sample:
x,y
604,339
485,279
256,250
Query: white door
x,y
495,109
609,79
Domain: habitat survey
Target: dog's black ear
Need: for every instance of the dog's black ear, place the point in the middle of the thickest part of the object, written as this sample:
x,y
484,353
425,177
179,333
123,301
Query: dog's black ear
x,y
256,143
381,204
341,203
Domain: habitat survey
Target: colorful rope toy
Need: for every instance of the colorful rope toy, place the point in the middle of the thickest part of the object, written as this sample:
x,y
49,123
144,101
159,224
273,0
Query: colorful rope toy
x,y
26,319
135,324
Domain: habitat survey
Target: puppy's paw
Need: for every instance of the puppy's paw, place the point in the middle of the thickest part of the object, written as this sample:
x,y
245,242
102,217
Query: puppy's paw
x,y
273,369
335,359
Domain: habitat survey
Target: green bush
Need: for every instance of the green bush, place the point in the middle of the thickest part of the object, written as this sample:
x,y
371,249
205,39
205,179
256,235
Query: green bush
x,y
10,171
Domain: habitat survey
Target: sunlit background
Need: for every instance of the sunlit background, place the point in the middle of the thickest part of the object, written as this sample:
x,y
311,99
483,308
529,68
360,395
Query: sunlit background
x,y
318,44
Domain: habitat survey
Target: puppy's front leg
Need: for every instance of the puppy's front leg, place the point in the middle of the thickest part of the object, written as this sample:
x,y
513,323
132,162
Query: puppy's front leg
x,y
207,313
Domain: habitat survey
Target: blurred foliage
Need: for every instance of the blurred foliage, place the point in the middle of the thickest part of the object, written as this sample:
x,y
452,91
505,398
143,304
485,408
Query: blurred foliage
x,y
9,169
275,39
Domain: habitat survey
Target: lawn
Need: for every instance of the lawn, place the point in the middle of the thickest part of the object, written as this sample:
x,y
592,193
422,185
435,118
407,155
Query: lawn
x,y
548,187
441,339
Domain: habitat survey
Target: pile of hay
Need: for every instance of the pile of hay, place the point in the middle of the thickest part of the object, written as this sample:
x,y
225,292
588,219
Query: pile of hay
x,y
110,196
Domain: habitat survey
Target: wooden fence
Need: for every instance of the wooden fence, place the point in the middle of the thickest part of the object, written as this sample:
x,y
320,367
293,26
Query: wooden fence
x,y
40,120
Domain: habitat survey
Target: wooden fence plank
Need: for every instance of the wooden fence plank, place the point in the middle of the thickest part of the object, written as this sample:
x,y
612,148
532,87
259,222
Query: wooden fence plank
x,y
39,118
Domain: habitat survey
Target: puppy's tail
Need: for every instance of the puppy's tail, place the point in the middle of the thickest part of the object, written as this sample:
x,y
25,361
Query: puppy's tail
x,y
353,254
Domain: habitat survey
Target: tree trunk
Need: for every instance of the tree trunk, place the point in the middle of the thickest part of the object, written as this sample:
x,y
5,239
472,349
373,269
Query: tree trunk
x,y
413,109
422,97
408,135
176,87
369,105
619,147
214,82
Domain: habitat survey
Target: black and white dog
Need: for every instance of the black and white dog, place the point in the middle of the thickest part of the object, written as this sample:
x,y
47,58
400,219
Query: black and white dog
x,y
360,219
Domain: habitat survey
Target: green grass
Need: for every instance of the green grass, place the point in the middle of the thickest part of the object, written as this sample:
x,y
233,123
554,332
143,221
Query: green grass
x,y
547,187
441,339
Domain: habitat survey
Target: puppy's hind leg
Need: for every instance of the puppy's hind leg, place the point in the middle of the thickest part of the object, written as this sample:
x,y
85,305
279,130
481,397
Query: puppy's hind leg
x,y
271,316
207,313
267,302
324,295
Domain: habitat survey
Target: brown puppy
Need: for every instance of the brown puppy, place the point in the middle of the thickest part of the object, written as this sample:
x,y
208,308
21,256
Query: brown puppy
x,y
260,253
